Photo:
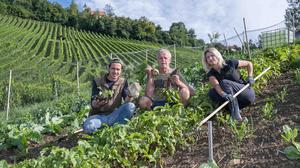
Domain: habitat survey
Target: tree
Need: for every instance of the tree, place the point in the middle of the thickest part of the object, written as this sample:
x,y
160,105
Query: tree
x,y
213,37
178,34
292,14
109,10
73,9
192,37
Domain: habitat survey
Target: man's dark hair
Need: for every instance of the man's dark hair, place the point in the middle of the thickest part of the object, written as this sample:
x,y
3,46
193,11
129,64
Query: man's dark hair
x,y
115,60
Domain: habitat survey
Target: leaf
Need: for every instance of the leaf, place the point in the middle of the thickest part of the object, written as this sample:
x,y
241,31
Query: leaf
x,y
297,145
3,164
292,153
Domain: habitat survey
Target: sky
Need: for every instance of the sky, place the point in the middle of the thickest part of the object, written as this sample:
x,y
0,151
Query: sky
x,y
204,16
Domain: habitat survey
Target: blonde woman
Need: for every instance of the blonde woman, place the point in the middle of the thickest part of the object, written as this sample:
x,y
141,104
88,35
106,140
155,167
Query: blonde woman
x,y
226,80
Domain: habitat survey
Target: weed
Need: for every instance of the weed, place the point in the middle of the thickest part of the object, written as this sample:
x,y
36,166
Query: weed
x,y
281,95
268,110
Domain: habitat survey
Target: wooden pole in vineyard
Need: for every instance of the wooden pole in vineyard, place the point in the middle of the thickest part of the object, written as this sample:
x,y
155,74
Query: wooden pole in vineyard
x,y
238,37
247,42
175,54
8,95
235,95
146,55
225,41
78,84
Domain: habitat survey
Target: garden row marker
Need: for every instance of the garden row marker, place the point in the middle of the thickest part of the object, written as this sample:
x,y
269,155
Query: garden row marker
x,y
210,142
235,95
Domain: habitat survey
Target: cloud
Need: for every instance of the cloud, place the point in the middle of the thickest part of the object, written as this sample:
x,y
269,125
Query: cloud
x,y
203,16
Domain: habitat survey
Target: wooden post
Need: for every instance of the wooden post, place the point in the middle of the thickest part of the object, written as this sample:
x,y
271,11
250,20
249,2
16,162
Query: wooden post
x,y
55,87
239,37
175,54
8,94
210,142
146,55
111,56
294,31
247,42
225,41
78,84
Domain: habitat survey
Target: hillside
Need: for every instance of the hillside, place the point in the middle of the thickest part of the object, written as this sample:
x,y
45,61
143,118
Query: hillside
x,y
51,47
50,60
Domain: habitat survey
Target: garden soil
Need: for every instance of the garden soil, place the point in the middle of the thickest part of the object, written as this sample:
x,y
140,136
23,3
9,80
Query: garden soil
x,y
264,148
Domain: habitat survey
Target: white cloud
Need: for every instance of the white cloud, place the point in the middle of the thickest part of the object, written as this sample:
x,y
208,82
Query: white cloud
x,y
203,16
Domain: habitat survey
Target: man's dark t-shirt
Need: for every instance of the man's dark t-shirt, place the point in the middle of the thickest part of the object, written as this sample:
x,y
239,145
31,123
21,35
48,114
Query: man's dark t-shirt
x,y
229,72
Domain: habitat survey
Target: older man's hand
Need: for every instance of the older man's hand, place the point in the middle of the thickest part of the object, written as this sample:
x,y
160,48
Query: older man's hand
x,y
175,79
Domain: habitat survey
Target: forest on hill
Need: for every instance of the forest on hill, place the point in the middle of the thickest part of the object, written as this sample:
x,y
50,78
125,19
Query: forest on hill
x,y
105,22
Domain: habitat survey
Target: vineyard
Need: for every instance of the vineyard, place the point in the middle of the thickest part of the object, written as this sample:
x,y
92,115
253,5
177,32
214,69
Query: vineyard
x,y
46,56
49,59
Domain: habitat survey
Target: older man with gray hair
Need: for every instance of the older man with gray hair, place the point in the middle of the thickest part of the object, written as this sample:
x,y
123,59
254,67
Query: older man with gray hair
x,y
166,78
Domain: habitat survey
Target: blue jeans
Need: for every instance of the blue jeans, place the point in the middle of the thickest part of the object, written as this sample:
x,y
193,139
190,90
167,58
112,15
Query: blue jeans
x,y
94,122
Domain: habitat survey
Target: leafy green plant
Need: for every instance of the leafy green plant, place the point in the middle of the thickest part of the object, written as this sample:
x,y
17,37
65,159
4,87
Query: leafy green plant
x,y
289,136
282,94
268,110
172,95
297,76
240,130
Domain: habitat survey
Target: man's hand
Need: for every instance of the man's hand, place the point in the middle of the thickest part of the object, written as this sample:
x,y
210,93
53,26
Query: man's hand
x,y
175,79
228,97
96,103
250,80
148,70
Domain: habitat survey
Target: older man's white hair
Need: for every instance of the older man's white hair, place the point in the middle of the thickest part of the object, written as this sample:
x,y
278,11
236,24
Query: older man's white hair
x,y
163,50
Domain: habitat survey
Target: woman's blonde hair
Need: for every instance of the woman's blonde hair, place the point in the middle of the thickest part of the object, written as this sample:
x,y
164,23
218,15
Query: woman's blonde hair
x,y
206,66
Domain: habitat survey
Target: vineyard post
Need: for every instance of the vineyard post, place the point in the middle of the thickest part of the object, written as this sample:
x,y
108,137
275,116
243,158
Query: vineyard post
x,y
8,95
288,36
247,42
175,54
111,56
55,87
239,37
146,55
294,30
77,74
210,142
225,41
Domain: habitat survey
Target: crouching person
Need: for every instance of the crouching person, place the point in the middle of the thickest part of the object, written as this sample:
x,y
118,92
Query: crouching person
x,y
108,93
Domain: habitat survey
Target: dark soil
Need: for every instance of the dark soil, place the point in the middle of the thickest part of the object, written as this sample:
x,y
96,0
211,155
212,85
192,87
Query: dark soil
x,y
34,150
264,148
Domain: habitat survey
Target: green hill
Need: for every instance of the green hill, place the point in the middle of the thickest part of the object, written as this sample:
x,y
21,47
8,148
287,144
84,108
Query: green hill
x,y
46,58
